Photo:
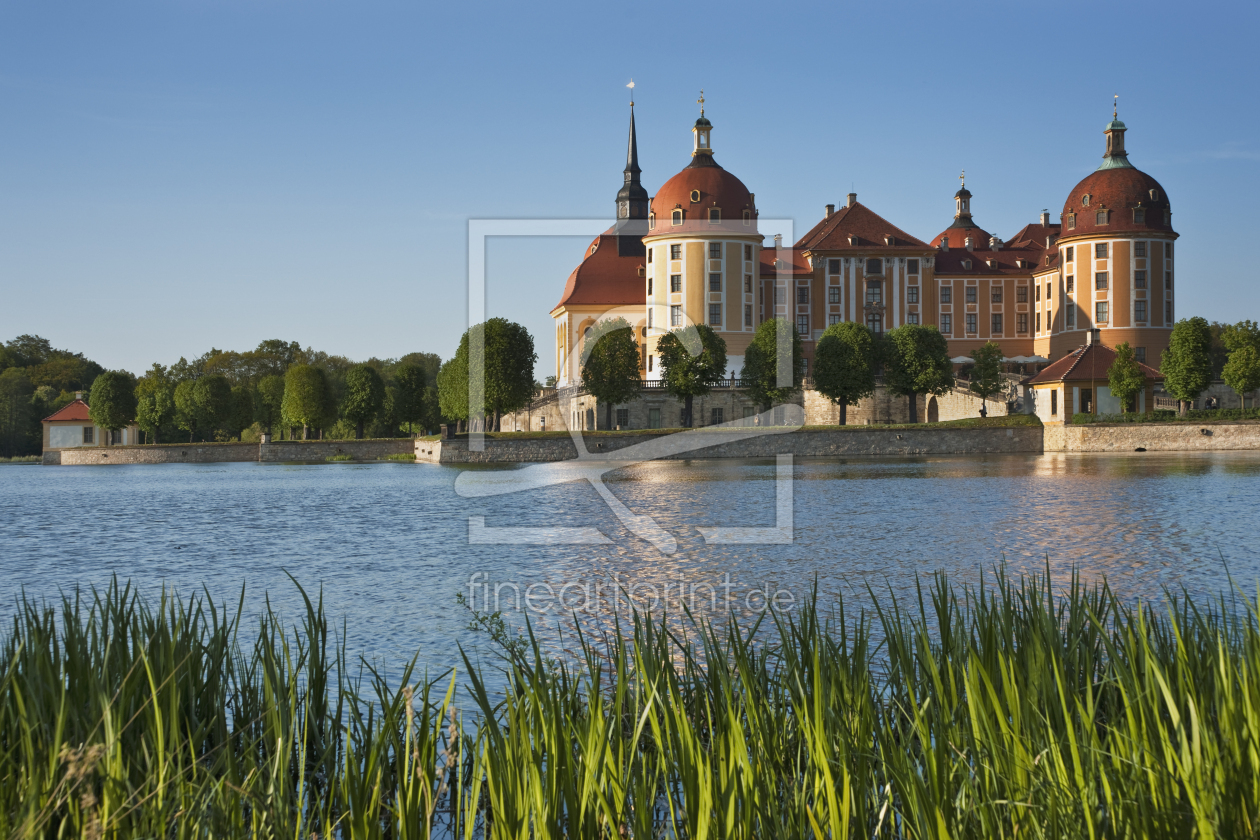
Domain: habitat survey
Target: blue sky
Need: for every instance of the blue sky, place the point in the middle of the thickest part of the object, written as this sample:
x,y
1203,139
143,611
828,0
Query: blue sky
x,y
181,175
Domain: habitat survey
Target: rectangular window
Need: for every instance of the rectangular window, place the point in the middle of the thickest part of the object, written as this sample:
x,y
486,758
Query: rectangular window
x,y
1100,251
675,283
651,309
675,316
651,359
1168,313
1071,253
715,314
623,417
1100,281
1071,317
833,294
715,282
1139,216
715,215
654,418
802,294
1071,221
947,324
1139,249
802,325
675,252
88,434
912,266
912,318
1047,290
715,250
1037,293
1139,279
971,295
1100,218
971,323
1054,402
947,294
1021,322
912,294
1139,353
780,295
1168,250
996,324
1139,310
1021,294
1100,312
833,319
748,315
650,250
748,252
716,416
997,294
833,266
748,284
1038,322
1168,280
649,287
1071,283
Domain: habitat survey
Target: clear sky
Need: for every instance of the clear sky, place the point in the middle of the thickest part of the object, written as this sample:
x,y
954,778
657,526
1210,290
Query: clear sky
x,y
176,176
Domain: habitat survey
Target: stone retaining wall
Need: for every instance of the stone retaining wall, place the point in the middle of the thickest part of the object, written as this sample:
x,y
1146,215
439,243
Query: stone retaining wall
x,y
1153,437
212,453
801,444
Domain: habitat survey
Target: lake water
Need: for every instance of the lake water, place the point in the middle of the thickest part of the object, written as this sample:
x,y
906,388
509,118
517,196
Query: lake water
x,y
389,543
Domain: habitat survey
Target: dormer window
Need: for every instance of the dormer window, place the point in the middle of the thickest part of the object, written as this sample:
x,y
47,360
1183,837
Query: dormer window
x,y
1085,200
1139,216
1154,195
715,215
1071,221
651,221
966,264
677,217
852,239
1100,218
748,217
695,196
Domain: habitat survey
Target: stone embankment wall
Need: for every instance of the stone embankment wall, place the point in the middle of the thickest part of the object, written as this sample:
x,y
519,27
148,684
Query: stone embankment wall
x,y
801,444
1153,437
213,453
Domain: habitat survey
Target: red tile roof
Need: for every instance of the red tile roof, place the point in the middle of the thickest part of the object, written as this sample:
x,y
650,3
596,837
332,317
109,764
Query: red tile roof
x,y
1090,362
716,188
833,232
77,410
1119,191
604,278
794,263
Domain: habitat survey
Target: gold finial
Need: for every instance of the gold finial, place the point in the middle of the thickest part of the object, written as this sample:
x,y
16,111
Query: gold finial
x,y
631,86
1115,108
962,179
701,101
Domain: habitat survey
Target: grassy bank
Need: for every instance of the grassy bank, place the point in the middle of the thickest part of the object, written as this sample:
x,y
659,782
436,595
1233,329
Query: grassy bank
x,y
21,459
1007,712
1215,415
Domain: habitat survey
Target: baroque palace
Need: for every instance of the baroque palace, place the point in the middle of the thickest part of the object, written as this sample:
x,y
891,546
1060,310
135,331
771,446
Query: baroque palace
x,y
692,253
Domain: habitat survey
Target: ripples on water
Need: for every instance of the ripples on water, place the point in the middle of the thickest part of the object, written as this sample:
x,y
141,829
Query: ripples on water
x,y
388,542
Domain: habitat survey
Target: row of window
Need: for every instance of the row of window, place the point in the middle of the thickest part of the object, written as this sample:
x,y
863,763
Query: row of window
x,y
1103,217
874,265
1100,251
715,252
677,216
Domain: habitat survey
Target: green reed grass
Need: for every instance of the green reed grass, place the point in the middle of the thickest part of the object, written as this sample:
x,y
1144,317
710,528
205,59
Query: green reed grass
x,y
1009,710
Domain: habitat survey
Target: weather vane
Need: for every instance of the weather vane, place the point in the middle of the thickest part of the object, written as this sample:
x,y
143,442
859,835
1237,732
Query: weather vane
x,y
701,101
962,178
1115,107
631,86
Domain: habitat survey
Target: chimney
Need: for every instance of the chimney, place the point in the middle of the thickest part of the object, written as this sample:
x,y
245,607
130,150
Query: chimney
x,y
852,199
995,243
1095,336
831,208
944,243
778,240
969,243
78,395
1045,218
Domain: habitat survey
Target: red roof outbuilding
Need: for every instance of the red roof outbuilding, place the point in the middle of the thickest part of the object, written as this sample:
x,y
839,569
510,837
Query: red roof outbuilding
x,y
76,411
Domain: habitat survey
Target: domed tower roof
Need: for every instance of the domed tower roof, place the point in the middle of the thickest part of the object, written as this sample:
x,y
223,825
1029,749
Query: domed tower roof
x,y
1129,200
699,190
964,226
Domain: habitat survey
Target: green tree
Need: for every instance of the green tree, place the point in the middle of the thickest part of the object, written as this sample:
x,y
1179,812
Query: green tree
x,y
186,412
763,365
693,360
241,416
452,386
917,363
610,365
113,405
364,397
1125,378
305,398
212,396
155,402
844,365
1242,372
269,401
412,381
1187,361
16,411
986,373
504,352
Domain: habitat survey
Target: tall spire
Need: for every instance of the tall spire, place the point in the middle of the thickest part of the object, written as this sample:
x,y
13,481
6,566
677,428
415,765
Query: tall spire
x,y
632,198
962,204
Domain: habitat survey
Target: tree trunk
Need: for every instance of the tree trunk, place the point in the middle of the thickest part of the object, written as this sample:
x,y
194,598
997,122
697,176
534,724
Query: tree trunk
x,y
190,434
914,409
358,430
844,412
305,432
608,414
687,410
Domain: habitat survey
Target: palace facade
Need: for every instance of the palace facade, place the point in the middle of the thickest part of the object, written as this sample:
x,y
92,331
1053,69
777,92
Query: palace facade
x,y
692,253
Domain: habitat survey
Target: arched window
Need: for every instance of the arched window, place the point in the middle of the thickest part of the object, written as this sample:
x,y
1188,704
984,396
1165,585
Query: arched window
x,y
677,217
747,217
652,221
